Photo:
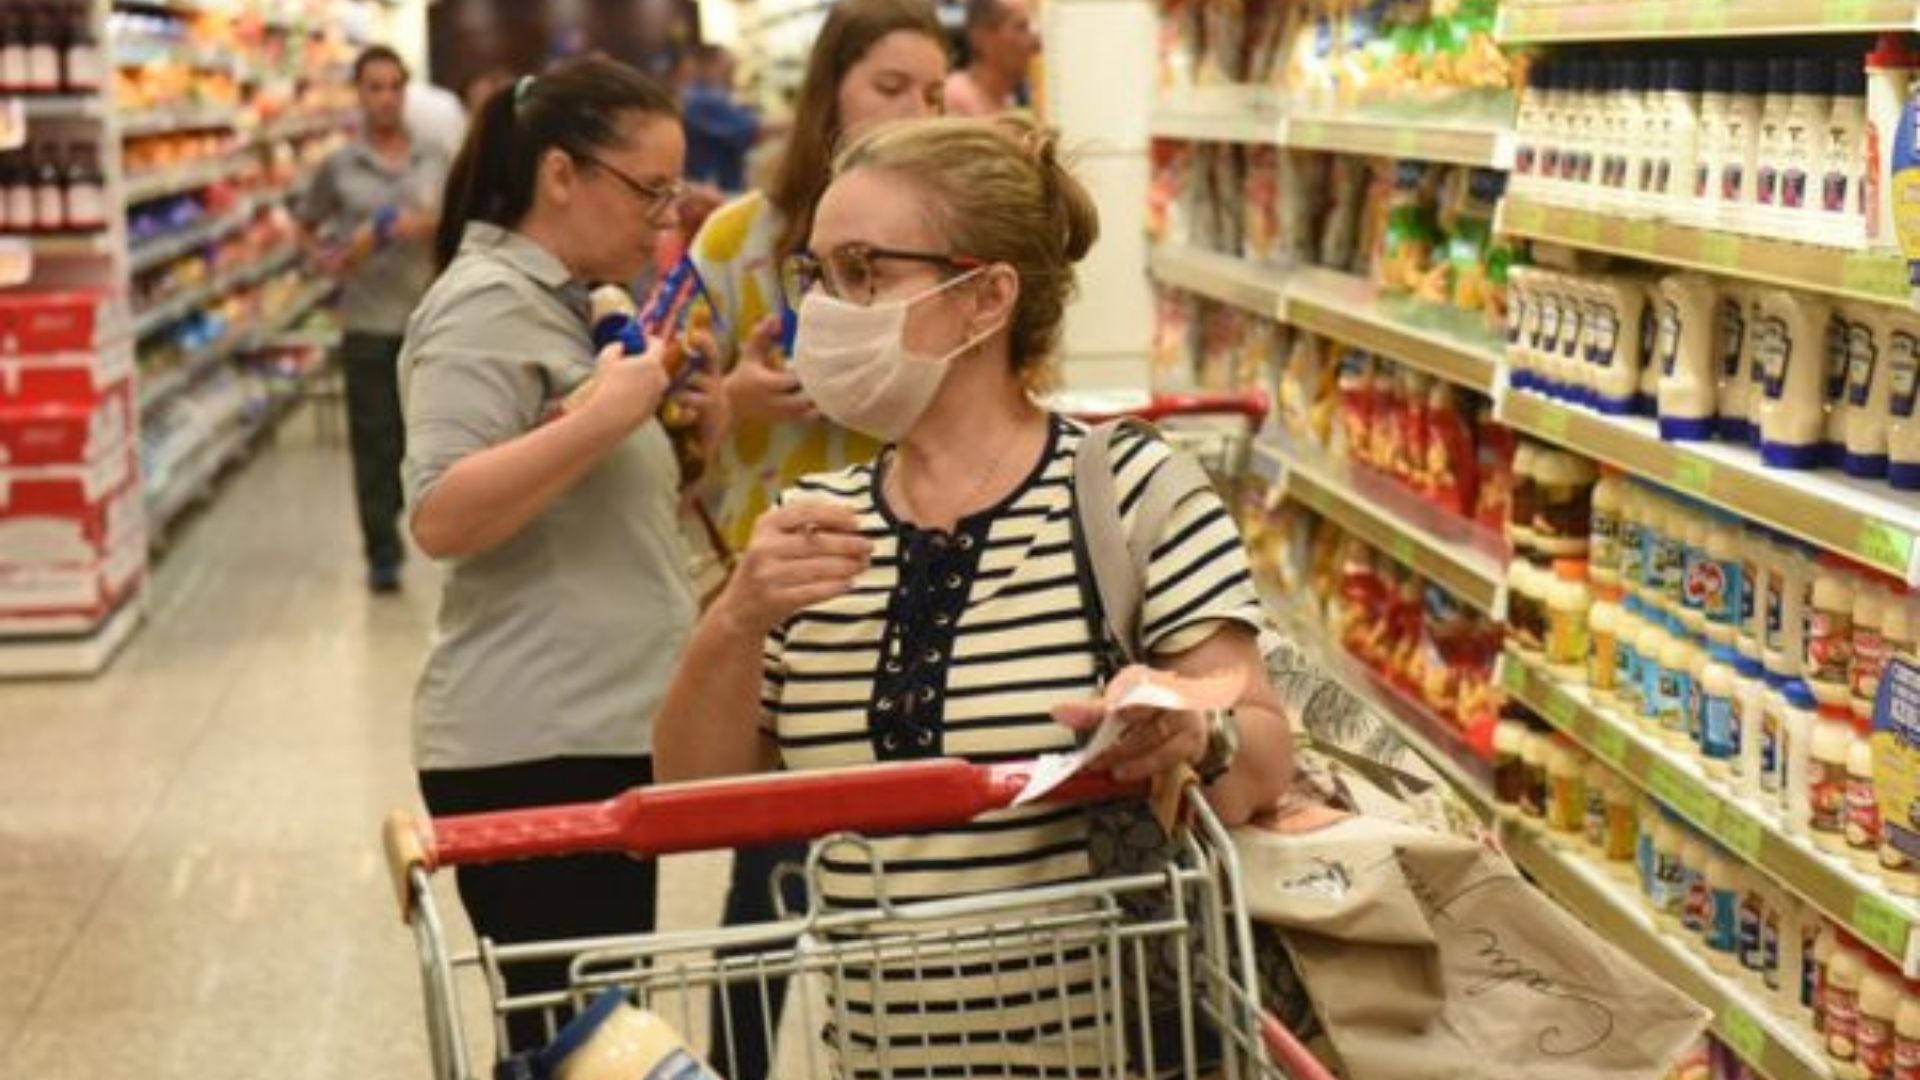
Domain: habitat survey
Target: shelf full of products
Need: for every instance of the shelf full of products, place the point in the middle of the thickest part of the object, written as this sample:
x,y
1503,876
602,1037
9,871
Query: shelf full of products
x,y
1639,20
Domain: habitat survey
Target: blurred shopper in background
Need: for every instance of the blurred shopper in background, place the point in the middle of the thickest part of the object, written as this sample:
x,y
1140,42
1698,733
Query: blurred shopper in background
x,y
567,596
720,130
371,214
875,60
1002,43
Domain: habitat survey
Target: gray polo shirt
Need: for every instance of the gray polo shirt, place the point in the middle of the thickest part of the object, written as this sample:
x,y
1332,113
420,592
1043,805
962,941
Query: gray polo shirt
x,y
352,186
562,640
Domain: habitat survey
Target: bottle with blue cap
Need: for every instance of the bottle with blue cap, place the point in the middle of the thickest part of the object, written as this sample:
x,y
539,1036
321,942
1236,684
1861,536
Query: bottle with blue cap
x,y
613,1040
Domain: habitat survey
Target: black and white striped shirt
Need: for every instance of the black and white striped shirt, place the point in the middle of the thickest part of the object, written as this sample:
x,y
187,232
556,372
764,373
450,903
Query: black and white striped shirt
x,y
959,645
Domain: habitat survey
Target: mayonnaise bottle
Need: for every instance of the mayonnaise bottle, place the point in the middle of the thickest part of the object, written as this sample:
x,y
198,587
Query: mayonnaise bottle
x,y
1603,659
1764,215
1652,646
1716,91
1873,602
1668,885
1903,391
1789,580
1675,690
1721,932
1843,160
1739,157
1628,698
1791,358
1647,401
1670,556
1670,187
1750,692
1889,70
1753,608
1598,778
1906,1034
1770,773
1833,448
1840,1000
1720,580
1623,826
1863,827
1696,903
1869,384
1722,727
1829,633
1696,575
1614,358
1881,989
1736,302
1804,135
1603,548
1634,508
1796,778
1689,385
1832,741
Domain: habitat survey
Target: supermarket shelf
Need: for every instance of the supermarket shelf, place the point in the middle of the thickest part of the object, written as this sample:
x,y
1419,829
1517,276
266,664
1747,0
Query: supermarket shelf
x,y
161,387
1426,734
64,106
163,121
76,655
209,460
179,306
1446,342
1401,137
69,245
277,326
300,127
164,182
1857,275
167,248
1773,1044
1848,896
1863,520
1226,278
1612,20
1447,551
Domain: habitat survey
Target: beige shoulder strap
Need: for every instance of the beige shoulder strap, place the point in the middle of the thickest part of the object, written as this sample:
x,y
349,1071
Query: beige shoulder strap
x,y
1119,556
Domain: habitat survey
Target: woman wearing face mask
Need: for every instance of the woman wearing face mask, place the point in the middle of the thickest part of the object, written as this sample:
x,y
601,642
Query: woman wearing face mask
x,y
874,61
927,605
567,598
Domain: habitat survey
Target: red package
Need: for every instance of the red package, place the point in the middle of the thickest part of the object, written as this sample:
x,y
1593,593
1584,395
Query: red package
x,y
1449,466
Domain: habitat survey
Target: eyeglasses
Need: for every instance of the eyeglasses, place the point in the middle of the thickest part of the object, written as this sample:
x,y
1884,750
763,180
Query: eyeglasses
x,y
659,196
847,271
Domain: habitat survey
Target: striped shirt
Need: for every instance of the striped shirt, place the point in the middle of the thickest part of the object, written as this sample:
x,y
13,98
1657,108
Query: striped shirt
x,y
958,645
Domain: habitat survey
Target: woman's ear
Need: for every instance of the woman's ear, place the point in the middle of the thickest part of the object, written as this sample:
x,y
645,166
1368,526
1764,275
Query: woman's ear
x,y
558,176
995,299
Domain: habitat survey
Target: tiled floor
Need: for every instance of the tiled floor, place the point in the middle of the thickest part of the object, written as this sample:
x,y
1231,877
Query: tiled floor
x,y
189,877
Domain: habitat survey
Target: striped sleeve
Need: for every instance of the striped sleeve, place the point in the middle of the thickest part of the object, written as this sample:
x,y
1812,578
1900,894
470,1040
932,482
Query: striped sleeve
x,y
1198,577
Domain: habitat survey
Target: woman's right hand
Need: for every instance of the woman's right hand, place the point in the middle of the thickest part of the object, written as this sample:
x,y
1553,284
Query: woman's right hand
x,y
801,554
625,390
757,389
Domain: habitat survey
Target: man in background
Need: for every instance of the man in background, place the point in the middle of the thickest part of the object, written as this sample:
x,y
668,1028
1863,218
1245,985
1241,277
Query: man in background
x,y
370,216
1002,43
720,130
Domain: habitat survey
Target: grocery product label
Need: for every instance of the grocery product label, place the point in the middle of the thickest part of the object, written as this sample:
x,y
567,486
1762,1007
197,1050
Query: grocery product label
x,y
1874,1037
1896,756
1841,1007
1723,924
1869,662
1833,192
1793,189
1753,912
1863,814
1880,923
1862,354
1827,791
1770,756
1904,375
1773,347
1706,589
1720,726
1829,645
1742,835
1669,344
1906,1058
1768,186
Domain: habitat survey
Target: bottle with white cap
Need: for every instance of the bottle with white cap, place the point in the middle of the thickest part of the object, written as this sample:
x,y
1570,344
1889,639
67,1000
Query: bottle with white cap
x,y
1863,403
1890,69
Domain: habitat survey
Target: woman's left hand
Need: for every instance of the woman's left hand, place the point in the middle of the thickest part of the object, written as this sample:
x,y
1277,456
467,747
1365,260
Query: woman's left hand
x,y
1154,740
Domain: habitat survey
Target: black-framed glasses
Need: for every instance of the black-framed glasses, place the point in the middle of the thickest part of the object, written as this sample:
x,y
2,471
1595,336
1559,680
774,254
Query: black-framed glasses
x,y
659,196
847,272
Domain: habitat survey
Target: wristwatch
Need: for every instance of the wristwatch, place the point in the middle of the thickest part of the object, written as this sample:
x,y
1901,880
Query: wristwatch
x,y
1223,743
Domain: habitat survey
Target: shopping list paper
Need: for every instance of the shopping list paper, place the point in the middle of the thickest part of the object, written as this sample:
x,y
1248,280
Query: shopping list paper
x,y
1133,695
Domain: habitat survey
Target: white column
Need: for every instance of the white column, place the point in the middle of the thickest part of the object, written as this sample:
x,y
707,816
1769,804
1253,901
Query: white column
x,y
1099,70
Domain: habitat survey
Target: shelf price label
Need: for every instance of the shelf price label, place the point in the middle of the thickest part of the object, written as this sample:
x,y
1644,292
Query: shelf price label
x,y
1847,11
1611,743
1684,794
1649,18
1524,217
1513,676
1553,422
1640,235
1743,1033
1880,923
1885,546
1874,275
1403,548
1561,710
1583,228
1720,250
1692,474
1741,835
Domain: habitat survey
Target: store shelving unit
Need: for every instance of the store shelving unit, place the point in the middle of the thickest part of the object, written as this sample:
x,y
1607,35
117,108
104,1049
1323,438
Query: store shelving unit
x,y
1848,896
1258,116
1640,20
1866,521
176,181
1854,275
1443,342
1454,554
164,249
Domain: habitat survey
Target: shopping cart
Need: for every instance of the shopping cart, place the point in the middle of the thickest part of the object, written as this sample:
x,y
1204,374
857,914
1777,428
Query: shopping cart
x,y
1215,428
1219,1029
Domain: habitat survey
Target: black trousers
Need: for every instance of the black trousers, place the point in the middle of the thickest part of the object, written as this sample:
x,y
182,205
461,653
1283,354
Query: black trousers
x,y
377,434
547,899
743,1030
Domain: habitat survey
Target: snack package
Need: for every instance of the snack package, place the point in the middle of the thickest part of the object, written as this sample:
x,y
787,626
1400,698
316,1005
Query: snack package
x,y
1450,476
1494,444
1304,190
1266,23
1223,59
1307,75
1263,352
1466,216
1301,389
1180,43
1224,190
1263,240
1223,334
1385,430
1356,405
1375,205
1407,249
1169,195
1175,328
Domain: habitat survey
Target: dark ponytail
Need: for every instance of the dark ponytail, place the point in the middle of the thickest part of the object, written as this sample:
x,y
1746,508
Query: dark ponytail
x,y
577,107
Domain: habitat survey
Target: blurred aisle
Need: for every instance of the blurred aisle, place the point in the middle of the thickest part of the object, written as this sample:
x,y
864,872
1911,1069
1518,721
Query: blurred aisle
x,y
189,878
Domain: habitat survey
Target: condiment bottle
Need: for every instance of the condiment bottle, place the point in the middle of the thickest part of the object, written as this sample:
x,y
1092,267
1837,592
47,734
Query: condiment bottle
x,y
1808,112
1736,302
1869,384
1765,212
1797,768
1689,356
1906,1033
1567,788
1880,991
1604,622
1509,771
1569,602
1721,933
1829,635
1722,727
1840,999
1791,357
1739,157
1843,157
1832,742
1889,69
1903,391
1863,824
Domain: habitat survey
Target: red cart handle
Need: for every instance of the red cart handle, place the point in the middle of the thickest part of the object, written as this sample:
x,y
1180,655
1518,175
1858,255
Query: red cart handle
x,y
738,812
1252,404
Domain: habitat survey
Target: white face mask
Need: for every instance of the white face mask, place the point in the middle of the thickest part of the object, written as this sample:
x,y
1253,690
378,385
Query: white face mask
x,y
854,362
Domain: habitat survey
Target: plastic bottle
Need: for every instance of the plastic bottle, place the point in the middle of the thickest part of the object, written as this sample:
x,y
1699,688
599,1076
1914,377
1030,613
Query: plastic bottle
x,y
612,1040
1829,634
1868,386
1750,694
1533,759
1652,646
1774,736
1832,742
1569,603
1570,366
1790,580
43,56
1524,298
1697,907
1821,941
1619,125
1680,104
1634,508
1563,517
1840,999
1721,580
1880,991
1530,127
1889,68
1731,405
1791,358
1843,212
1739,157
1526,609
1833,442
1873,600
1524,501
1647,400
1722,727
1754,568
1751,921
1628,697
1808,112
1614,359
1603,658
1863,825
1675,689
1589,128
1623,824
1758,330
1670,557
1903,391
1721,932
1601,345
1906,1037
1773,145
1596,782
1566,788
1797,769
1697,662
1605,525
1648,816
1509,771
1689,386
1699,584
1668,884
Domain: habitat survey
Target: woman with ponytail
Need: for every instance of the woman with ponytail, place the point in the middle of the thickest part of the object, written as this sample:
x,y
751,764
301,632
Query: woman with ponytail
x,y
567,598
928,605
